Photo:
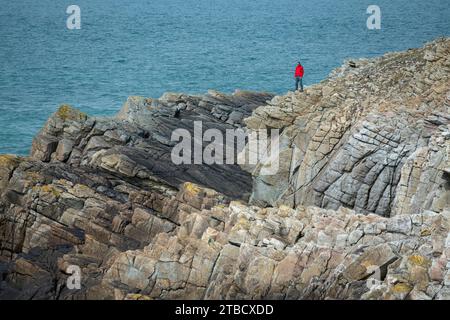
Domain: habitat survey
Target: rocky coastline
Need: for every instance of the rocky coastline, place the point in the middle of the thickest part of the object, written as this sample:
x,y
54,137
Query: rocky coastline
x,y
362,194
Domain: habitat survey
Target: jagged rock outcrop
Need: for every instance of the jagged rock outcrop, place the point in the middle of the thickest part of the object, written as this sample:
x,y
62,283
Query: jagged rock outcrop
x,y
137,143
58,216
241,252
373,137
359,209
95,187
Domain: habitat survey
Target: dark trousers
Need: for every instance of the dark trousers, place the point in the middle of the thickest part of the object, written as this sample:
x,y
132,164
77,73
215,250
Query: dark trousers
x,y
298,80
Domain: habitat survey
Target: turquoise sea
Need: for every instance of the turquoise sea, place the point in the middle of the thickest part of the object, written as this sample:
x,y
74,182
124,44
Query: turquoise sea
x,y
149,47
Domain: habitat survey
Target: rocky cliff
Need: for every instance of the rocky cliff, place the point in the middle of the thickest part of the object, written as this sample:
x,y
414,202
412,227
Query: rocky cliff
x,y
373,137
360,208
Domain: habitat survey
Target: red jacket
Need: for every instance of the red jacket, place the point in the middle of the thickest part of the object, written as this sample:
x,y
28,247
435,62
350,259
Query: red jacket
x,y
299,71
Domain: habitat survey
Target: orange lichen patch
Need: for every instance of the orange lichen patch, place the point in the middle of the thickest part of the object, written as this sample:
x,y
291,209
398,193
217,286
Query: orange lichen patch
x,y
402,288
148,103
419,260
425,232
7,160
63,182
66,112
137,296
34,176
191,188
49,189
82,187
242,223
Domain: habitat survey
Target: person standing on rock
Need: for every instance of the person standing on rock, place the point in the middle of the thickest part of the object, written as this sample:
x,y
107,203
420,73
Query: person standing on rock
x,y
299,72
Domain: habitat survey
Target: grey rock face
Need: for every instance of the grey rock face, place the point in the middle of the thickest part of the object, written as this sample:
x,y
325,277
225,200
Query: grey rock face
x,y
373,137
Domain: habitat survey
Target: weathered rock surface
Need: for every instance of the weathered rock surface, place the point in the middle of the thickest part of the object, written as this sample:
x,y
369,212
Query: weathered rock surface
x,y
95,187
241,252
373,137
360,208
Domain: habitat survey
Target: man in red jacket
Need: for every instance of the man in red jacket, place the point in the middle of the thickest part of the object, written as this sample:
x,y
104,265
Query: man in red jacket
x,y
299,71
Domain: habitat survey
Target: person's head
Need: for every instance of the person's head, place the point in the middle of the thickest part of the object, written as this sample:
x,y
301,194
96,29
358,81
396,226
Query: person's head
x,y
298,63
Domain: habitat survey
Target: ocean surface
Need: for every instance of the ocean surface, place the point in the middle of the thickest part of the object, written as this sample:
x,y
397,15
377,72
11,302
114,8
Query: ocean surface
x,y
149,47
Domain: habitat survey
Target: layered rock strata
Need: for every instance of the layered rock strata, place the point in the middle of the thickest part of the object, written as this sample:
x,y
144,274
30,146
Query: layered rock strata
x,y
372,137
